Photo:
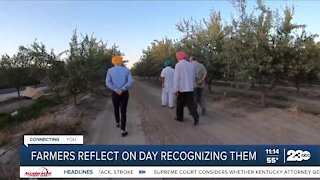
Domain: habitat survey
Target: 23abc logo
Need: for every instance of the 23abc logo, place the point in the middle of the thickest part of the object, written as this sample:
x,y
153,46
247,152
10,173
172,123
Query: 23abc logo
x,y
298,155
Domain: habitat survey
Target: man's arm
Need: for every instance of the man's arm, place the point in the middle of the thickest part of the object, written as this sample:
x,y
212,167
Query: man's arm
x,y
204,75
109,82
162,78
162,82
129,81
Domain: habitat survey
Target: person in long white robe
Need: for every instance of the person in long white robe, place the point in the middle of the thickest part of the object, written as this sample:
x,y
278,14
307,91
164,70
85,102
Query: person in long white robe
x,y
167,73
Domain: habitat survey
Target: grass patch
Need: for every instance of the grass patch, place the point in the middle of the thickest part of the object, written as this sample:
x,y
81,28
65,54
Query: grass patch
x,y
47,125
311,110
11,100
277,101
9,171
4,138
27,113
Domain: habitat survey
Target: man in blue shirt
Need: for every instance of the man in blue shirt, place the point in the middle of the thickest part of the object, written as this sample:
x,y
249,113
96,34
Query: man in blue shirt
x,y
119,80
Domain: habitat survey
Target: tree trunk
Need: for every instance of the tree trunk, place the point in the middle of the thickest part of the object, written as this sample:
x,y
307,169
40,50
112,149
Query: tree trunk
x,y
237,84
252,83
260,81
263,98
75,98
209,85
266,90
298,86
18,91
228,75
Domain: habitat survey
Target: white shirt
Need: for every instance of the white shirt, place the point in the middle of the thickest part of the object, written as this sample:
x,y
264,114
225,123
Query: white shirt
x,y
184,76
167,73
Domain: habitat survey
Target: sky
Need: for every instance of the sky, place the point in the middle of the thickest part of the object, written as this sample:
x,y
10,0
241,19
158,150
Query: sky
x,y
131,25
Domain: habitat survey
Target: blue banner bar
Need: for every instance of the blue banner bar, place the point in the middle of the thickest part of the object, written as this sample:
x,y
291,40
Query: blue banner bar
x,y
170,155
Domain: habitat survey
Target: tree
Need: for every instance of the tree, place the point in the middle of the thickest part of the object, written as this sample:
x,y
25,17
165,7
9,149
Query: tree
x,y
303,66
15,76
97,58
5,64
213,43
87,63
265,47
75,80
15,69
38,62
56,73
151,62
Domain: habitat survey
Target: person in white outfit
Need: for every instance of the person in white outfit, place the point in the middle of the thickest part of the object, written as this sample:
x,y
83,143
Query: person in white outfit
x,y
184,83
167,74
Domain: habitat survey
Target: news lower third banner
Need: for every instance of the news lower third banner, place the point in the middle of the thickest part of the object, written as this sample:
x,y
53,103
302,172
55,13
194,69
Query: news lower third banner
x,y
67,157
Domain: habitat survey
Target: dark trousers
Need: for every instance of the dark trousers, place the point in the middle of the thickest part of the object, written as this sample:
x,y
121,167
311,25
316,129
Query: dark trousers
x,y
198,97
120,103
186,99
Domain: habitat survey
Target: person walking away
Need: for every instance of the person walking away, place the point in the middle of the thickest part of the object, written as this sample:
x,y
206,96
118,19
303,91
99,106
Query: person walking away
x,y
167,84
119,80
200,78
184,80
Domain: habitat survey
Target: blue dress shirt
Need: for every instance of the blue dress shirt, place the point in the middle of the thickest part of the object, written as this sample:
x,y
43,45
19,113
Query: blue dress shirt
x,y
119,78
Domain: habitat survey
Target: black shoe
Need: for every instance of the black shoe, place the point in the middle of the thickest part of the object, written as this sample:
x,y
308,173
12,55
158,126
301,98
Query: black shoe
x,y
178,119
118,125
125,133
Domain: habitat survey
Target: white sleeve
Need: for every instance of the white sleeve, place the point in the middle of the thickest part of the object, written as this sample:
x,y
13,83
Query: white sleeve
x,y
162,73
176,79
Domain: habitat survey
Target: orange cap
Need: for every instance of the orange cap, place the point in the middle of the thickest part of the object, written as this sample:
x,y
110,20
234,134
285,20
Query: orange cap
x,y
116,60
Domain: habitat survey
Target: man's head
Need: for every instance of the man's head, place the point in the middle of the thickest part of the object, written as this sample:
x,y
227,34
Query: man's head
x,y
193,59
117,60
181,55
196,60
167,63
188,54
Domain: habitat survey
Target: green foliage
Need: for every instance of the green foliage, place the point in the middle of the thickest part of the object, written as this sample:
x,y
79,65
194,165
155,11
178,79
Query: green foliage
x,y
304,66
87,63
264,45
26,67
84,68
26,113
38,64
56,73
153,57
75,81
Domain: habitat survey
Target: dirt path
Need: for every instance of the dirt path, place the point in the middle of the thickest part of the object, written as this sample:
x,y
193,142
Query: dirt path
x,y
228,121
105,131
